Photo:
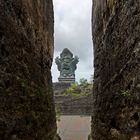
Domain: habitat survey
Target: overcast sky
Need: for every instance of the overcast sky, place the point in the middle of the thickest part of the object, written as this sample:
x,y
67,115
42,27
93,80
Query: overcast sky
x,y
73,31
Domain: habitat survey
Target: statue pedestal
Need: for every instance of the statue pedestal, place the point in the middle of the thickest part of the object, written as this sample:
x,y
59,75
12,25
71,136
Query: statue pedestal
x,y
66,80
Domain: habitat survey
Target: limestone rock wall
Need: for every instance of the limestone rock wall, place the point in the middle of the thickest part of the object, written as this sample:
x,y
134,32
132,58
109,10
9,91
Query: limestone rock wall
x,y
116,37
26,51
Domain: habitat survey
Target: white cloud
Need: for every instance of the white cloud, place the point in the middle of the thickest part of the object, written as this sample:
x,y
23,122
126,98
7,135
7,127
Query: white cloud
x,y
73,31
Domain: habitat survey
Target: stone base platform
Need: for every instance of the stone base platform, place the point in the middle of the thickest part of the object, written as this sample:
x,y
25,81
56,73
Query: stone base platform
x,y
60,87
66,80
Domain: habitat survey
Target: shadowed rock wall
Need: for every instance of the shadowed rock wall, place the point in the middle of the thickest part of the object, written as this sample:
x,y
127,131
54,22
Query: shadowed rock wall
x,y
116,37
26,51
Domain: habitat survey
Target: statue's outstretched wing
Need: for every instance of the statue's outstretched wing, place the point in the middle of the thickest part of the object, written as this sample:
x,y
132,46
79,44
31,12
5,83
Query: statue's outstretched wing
x,y
58,63
74,62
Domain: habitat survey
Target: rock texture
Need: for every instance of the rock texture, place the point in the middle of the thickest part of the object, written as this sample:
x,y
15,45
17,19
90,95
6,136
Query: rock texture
x,y
26,51
116,37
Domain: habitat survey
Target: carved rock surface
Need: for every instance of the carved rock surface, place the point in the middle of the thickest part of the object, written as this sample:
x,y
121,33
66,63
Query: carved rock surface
x,y
26,51
116,37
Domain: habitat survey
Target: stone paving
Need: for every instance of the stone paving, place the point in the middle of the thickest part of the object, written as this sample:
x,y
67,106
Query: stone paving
x,y
74,127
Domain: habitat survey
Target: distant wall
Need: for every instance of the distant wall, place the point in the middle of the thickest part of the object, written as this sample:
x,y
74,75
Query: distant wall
x,y
116,37
79,106
69,105
60,87
26,51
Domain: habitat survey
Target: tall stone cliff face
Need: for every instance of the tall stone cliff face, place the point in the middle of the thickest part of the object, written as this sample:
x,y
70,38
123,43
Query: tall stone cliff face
x,y
26,51
116,37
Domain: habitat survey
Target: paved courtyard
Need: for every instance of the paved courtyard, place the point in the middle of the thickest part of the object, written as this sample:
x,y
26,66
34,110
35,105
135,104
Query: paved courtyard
x,y
74,127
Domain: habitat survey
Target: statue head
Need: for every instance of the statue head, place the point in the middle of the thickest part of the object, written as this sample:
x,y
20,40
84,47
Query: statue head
x,y
66,53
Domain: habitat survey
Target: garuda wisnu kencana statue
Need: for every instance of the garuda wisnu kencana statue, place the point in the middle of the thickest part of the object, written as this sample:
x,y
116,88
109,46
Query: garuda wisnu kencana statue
x,y
66,65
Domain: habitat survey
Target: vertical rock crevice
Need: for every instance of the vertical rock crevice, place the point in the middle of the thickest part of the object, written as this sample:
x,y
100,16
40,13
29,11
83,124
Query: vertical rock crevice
x,y
116,30
26,52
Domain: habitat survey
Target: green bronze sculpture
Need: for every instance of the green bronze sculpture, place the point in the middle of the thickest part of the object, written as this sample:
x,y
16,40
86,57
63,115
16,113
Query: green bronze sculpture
x,y
66,65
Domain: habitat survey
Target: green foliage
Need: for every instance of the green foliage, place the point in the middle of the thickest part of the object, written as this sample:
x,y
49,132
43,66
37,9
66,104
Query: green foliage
x,y
74,84
83,82
71,89
84,94
85,87
125,93
75,95
76,91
